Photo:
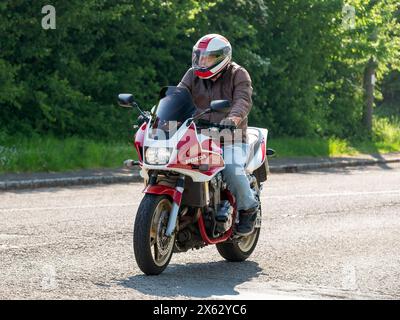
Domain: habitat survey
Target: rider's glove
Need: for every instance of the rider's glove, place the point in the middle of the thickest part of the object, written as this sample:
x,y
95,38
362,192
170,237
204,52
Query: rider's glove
x,y
230,121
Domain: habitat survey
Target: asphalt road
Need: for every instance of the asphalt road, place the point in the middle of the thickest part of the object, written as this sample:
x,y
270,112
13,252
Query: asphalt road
x,y
331,234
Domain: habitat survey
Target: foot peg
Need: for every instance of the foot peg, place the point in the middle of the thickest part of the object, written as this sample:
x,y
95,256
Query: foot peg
x,y
225,210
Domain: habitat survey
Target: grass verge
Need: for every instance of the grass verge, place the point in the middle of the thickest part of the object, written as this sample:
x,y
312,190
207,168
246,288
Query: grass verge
x,y
385,138
49,154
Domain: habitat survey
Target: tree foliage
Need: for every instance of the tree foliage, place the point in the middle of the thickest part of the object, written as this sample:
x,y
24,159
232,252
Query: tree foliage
x,y
307,67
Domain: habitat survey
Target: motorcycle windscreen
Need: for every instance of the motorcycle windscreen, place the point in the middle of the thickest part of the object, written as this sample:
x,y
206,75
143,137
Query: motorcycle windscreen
x,y
174,108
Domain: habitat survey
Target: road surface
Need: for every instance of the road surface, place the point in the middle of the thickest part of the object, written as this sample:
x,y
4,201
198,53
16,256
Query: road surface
x,y
329,234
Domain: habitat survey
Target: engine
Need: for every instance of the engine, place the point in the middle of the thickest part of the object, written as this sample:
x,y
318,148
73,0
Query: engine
x,y
219,211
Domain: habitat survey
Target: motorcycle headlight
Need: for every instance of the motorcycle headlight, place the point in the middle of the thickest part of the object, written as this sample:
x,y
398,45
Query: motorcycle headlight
x,y
157,155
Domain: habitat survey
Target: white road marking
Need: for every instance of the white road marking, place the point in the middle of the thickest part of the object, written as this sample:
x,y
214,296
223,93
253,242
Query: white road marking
x,y
293,196
333,194
72,207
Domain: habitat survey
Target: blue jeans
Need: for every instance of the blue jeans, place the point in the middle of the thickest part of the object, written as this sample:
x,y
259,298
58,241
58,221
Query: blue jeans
x,y
235,176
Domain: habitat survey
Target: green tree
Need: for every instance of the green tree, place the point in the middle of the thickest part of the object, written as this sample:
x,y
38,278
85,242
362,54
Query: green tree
x,y
372,48
311,71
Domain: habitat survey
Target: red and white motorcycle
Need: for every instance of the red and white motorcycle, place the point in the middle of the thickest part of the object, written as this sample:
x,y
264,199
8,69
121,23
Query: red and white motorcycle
x,y
187,204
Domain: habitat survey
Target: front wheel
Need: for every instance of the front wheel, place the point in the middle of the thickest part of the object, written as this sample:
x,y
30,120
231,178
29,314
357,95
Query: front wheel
x,y
153,250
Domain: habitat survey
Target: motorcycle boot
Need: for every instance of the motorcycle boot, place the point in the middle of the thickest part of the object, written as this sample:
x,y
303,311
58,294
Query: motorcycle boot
x,y
247,220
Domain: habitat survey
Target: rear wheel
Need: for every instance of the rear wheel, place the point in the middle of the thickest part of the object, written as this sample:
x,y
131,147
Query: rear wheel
x,y
153,250
237,250
240,249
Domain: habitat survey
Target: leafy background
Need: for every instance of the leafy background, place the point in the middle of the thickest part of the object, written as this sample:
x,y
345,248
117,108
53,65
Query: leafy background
x,y
307,68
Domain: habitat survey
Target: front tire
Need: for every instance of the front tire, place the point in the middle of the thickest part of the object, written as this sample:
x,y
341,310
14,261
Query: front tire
x,y
153,250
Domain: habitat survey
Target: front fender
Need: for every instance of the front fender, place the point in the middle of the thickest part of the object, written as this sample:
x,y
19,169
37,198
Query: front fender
x,y
175,195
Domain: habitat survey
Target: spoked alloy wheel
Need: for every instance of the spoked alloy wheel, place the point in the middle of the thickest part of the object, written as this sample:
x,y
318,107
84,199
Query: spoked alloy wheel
x,y
240,249
245,244
153,250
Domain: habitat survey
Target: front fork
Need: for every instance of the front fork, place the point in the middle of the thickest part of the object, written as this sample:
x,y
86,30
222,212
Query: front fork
x,y
173,217
174,193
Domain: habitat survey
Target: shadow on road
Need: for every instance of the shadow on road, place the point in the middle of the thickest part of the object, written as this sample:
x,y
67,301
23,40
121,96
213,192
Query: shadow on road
x,y
382,165
198,280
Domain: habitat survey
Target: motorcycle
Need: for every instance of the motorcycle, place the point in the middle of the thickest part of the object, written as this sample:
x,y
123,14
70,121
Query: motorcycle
x,y
186,203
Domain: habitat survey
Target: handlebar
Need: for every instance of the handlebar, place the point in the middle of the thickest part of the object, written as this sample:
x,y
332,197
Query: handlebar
x,y
209,124
201,123
144,117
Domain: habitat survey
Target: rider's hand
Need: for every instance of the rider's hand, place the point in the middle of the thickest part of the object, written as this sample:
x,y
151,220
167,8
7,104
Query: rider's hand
x,y
231,121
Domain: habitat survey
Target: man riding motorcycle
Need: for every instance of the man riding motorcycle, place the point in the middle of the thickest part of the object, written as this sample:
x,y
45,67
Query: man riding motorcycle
x,y
214,76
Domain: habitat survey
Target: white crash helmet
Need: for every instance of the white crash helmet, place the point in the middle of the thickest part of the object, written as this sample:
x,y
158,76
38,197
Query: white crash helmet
x,y
211,54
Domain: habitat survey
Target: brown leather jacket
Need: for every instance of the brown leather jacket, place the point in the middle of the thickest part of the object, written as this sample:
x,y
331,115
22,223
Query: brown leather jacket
x,y
234,85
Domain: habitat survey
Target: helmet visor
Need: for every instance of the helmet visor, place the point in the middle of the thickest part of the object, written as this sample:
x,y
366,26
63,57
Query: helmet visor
x,y
206,60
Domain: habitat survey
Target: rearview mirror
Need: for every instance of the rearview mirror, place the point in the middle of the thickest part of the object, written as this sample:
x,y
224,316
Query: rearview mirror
x,y
222,106
126,100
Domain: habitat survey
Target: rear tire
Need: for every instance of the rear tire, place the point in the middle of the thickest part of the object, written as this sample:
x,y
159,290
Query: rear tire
x,y
153,251
237,251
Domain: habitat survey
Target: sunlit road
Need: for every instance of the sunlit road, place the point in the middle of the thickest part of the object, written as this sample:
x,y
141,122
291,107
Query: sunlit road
x,y
332,234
